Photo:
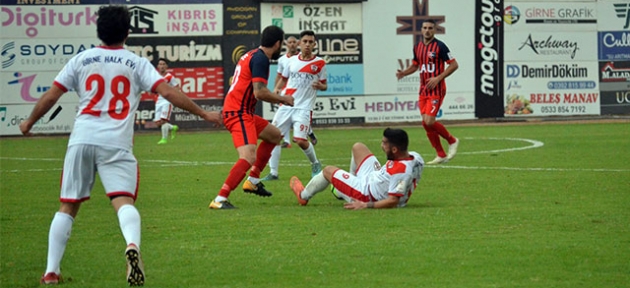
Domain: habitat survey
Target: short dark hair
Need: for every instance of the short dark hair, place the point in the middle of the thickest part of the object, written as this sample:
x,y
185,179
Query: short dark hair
x,y
397,137
429,21
271,35
307,33
163,59
113,24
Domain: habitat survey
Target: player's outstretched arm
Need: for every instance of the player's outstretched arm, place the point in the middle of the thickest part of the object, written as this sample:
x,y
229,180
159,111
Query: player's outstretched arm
x,y
47,101
179,99
261,92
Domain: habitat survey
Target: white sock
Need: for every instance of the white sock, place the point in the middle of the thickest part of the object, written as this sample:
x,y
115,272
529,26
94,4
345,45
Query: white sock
x,y
129,220
316,185
353,166
165,128
254,181
58,236
219,199
310,154
274,161
287,138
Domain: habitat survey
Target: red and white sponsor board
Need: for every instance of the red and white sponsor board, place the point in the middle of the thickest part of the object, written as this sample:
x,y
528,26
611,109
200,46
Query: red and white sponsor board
x,y
197,83
532,102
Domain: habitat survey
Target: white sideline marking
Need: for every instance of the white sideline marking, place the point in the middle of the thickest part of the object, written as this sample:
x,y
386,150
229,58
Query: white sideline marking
x,y
173,163
534,144
528,169
168,163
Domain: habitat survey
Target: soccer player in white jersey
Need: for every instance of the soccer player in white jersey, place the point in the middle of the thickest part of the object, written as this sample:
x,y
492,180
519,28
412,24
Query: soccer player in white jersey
x,y
163,108
368,184
108,80
303,75
292,50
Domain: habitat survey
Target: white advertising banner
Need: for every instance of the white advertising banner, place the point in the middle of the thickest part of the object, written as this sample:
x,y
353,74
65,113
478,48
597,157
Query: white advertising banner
x,y
550,16
321,18
404,108
538,102
28,87
48,21
552,88
327,107
552,75
550,46
388,43
615,15
176,20
12,115
50,54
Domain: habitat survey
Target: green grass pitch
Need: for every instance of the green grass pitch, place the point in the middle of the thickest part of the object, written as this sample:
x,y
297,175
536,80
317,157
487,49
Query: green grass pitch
x,y
545,205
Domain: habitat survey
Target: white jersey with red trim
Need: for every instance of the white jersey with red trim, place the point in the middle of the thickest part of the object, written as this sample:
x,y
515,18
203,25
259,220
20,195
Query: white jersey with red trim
x,y
170,79
396,177
108,83
301,75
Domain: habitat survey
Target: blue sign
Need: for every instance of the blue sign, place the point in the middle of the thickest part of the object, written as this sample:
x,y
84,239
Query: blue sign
x,y
613,45
563,85
343,79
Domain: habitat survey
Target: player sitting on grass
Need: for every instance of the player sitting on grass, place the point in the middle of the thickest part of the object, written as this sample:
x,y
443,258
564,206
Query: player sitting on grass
x,y
368,184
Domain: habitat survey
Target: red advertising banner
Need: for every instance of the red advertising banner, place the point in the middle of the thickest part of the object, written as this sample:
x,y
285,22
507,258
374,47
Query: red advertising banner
x,y
197,83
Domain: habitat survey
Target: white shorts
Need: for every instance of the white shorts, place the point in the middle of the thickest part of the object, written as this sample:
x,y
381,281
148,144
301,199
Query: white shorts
x,y
351,186
163,111
117,168
299,119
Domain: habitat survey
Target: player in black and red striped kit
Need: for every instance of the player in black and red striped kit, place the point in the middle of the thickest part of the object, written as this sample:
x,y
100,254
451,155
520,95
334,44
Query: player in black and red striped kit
x,y
435,62
248,87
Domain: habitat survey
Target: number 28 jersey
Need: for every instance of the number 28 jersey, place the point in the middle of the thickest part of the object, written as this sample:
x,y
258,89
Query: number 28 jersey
x,y
108,82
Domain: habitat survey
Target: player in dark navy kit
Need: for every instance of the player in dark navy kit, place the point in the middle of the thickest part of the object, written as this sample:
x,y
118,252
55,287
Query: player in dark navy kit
x,y
435,62
249,86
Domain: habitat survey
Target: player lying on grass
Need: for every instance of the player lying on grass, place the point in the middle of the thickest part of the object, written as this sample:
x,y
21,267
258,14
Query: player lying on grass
x,y
368,184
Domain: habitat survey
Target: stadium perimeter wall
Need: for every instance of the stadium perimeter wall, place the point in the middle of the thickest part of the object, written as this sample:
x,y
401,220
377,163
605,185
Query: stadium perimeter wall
x,y
518,59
